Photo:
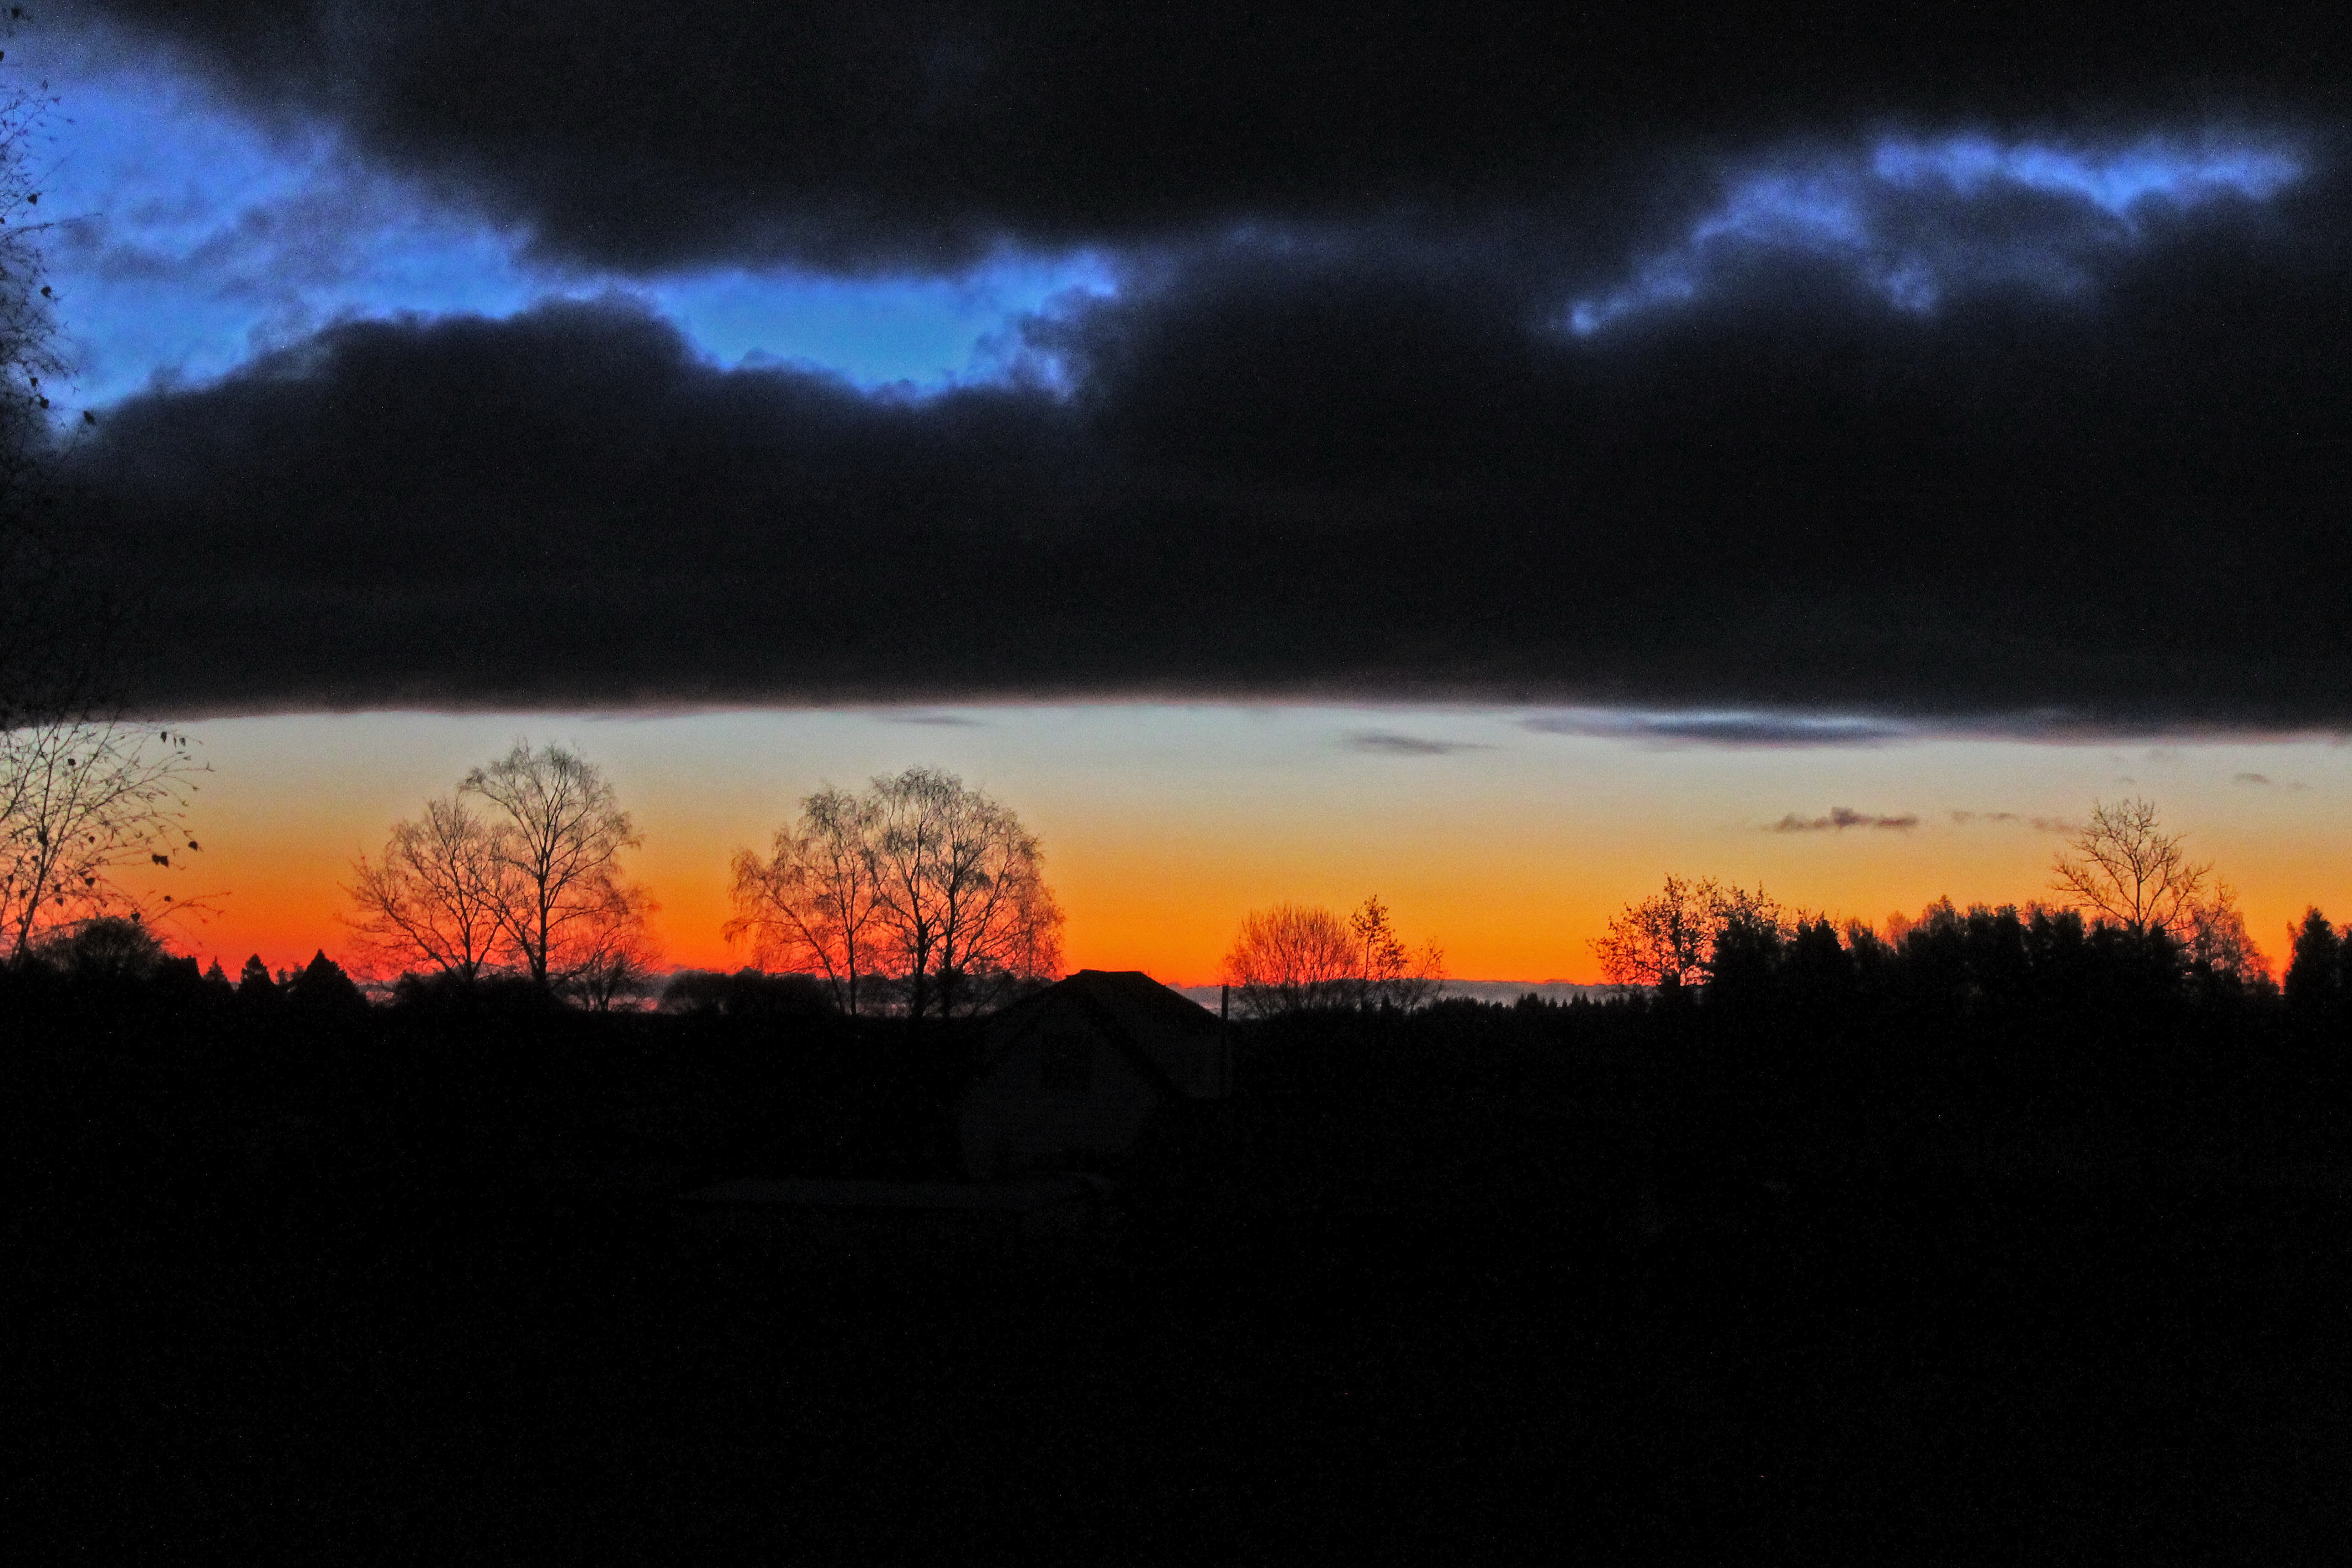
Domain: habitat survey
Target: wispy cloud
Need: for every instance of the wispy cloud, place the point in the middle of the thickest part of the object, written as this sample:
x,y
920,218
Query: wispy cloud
x,y
1841,819
1915,220
1378,743
937,720
2039,824
1721,729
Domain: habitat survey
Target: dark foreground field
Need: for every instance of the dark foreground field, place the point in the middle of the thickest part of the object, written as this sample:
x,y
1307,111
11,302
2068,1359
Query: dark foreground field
x,y
1470,1288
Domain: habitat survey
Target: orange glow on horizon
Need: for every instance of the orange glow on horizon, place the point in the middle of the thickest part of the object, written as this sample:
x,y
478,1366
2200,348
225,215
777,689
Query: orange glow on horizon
x,y
1164,826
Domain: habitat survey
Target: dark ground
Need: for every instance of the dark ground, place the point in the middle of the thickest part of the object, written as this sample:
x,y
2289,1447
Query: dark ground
x,y
1483,1286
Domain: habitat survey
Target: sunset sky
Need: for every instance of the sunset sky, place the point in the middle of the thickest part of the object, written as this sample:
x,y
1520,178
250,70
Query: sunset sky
x,y
1509,845
1282,455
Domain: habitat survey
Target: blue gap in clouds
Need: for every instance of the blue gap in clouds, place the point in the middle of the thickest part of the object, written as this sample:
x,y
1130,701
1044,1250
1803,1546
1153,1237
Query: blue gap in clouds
x,y
190,239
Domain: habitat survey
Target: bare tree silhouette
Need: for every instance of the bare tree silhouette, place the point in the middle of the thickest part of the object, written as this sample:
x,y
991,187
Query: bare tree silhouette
x,y
557,837
80,801
614,958
434,901
1393,976
1668,939
960,889
2220,948
814,903
921,880
1291,958
2122,866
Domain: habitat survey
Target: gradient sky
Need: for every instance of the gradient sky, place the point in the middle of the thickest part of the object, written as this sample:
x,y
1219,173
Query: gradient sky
x,y
1488,466
1509,845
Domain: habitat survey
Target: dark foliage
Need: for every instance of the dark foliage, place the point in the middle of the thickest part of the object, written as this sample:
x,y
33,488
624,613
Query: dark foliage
x,y
487,996
320,989
2002,1239
106,951
747,993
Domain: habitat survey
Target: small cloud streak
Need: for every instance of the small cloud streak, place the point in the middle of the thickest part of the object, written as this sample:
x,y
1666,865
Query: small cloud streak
x,y
936,721
1381,743
2039,824
1721,729
2262,779
1841,819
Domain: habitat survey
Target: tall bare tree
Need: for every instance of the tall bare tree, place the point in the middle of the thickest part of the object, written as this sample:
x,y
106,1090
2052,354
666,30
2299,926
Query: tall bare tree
x,y
959,890
1291,958
1667,940
558,834
2122,866
435,900
2220,949
1394,977
814,903
1295,958
81,800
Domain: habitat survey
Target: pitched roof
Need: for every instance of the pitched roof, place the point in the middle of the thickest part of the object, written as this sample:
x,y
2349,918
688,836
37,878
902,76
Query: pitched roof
x,y
1151,1024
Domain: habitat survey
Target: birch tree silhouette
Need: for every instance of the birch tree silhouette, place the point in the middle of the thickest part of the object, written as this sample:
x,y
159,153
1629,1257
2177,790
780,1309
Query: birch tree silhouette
x,y
814,903
920,881
434,900
557,837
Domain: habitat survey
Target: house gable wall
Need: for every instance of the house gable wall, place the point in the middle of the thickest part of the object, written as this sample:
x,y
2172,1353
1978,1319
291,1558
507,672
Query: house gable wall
x,y
1029,1106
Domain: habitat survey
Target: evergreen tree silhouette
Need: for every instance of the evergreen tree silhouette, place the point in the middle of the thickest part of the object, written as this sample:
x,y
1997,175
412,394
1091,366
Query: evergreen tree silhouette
x,y
254,983
2314,974
321,986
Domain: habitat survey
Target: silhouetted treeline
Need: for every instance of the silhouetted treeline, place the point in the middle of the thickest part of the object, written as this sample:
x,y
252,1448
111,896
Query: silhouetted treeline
x,y
1826,1045
1913,1242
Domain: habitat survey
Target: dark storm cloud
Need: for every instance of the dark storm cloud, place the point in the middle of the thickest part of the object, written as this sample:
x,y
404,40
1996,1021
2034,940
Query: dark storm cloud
x,y
1277,469
886,134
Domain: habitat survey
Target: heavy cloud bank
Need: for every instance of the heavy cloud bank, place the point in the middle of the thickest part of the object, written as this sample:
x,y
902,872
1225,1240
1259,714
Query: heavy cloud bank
x,y
1825,359
885,133
1269,470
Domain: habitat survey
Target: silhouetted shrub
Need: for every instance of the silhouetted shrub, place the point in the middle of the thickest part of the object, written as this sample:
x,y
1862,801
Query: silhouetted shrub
x,y
111,949
746,993
497,996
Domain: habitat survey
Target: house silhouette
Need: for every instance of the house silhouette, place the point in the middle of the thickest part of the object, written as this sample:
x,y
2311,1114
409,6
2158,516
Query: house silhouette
x,y
1073,1074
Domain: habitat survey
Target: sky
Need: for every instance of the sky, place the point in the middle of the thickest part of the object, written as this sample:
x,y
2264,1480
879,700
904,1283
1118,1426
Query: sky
x,y
1509,837
1490,460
